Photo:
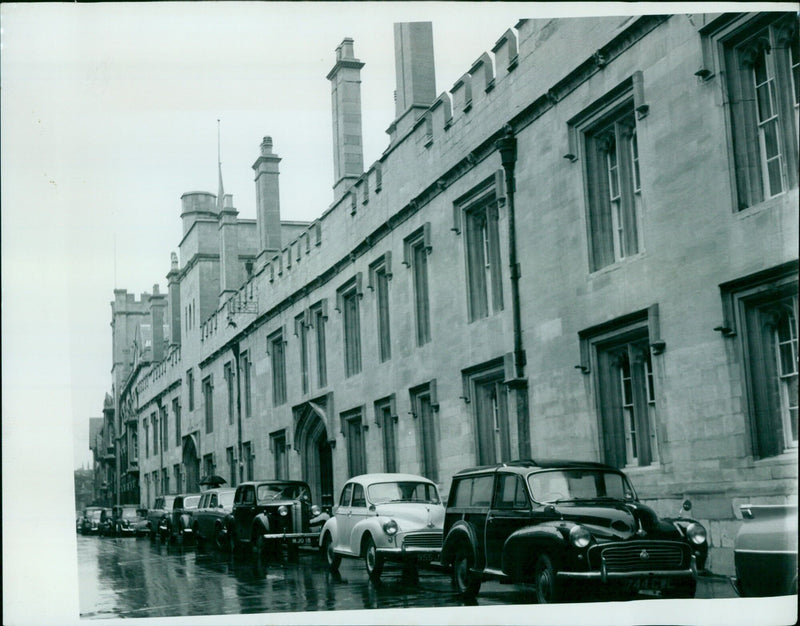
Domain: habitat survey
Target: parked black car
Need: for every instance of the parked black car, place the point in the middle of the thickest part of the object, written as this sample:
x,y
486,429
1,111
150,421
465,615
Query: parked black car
x,y
269,513
90,521
128,520
177,526
209,522
566,527
162,507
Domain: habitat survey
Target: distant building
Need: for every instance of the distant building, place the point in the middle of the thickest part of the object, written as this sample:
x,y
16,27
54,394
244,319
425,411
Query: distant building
x,y
587,247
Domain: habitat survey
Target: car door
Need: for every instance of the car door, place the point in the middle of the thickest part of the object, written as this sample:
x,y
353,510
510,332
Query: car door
x,y
358,512
511,510
342,540
244,512
476,513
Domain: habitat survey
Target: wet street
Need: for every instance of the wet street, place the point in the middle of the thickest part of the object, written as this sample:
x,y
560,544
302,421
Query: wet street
x,y
129,577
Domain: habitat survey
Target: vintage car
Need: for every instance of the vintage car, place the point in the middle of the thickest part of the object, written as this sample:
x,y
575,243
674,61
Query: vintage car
x,y
385,517
177,526
567,527
268,514
90,522
210,519
128,520
765,550
162,507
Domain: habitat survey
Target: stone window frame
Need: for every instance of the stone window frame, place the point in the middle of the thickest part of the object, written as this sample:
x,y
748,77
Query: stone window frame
x,y
353,428
279,447
230,379
607,349
347,303
427,427
301,325
613,236
318,317
749,305
276,349
386,419
484,288
208,402
731,44
492,372
380,273
416,248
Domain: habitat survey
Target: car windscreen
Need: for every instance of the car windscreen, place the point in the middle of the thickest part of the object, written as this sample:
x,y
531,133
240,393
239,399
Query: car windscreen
x,y
129,514
226,499
95,515
579,484
403,491
277,491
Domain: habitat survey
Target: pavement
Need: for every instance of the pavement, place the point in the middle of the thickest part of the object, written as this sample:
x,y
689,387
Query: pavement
x,y
715,586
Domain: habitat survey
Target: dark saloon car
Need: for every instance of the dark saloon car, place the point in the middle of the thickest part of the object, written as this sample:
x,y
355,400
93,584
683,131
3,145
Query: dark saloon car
x,y
210,519
162,507
566,527
765,550
177,526
128,520
269,513
90,522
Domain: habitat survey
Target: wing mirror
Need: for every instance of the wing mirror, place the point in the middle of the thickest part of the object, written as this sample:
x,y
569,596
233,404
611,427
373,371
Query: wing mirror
x,y
686,506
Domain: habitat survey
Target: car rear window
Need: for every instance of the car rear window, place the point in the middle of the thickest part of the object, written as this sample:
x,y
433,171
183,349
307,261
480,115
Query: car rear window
x,y
476,491
226,499
191,502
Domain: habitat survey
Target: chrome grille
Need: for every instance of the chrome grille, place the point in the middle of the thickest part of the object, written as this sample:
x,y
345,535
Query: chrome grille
x,y
423,540
641,556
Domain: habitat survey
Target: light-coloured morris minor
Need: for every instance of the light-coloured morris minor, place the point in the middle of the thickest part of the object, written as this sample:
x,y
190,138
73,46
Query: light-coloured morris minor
x,y
385,517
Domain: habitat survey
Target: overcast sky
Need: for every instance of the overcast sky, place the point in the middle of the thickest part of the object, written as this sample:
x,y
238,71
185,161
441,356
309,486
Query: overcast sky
x,y
109,114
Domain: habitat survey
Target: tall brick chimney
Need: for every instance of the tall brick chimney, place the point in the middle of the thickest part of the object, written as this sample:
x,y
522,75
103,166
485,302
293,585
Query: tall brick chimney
x,y
415,72
230,270
158,303
268,204
348,153
174,295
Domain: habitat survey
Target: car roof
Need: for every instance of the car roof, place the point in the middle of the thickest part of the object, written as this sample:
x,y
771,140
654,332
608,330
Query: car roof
x,y
274,482
219,490
521,465
369,479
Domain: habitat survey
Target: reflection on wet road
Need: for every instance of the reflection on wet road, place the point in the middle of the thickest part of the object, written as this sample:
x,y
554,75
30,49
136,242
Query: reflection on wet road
x,y
129,577
135,578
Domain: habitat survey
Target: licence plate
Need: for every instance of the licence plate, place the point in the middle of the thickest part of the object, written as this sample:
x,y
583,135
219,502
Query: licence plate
x,y
648,584
425,558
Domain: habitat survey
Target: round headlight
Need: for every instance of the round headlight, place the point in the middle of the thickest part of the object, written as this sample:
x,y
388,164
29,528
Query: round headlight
x,y
283,511
315,510
579,536
390,527
696,533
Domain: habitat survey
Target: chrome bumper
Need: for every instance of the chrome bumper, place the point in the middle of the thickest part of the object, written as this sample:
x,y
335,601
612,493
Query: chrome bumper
x,y
604,575
290,537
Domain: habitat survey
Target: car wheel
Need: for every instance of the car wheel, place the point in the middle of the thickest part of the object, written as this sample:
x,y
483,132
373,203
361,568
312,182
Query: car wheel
x,y
372,559
548,589
331,558
464,579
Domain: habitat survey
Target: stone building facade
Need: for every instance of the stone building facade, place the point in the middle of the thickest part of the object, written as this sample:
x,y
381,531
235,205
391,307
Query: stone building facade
x,y
587,248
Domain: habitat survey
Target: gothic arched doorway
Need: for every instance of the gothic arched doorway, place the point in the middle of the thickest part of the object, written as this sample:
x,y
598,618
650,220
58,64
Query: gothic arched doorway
x,y
191,466
312,441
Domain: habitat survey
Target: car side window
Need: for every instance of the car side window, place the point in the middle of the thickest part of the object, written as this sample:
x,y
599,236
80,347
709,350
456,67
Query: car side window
x,y
358,496
510,493
237,499
213,500
345,499
248,495
482,490
460,493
